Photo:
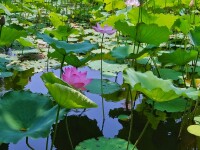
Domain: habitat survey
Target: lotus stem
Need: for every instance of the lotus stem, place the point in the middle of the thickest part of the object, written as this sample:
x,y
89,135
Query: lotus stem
x,y
29,146
102,79
131,123
141,134
61,65
67,128
56,126
47,142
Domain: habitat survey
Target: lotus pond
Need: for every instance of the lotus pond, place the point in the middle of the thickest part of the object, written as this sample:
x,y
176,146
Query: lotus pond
x,y
99,74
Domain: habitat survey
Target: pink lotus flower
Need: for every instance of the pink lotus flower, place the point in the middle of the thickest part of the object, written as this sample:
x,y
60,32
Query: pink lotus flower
x,y
76,78
133,3
106,29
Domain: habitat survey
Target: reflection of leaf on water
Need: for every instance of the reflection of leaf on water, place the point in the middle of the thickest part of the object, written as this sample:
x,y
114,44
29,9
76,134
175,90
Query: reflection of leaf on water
x,y
80,128
19,79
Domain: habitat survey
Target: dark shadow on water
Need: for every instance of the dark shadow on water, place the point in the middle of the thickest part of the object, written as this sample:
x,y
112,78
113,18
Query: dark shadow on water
x,y
80,127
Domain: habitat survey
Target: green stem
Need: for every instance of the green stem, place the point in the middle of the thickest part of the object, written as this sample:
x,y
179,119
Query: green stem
x,y
141,134
68,134
61,65
56,126
28,144
102,78
154,62
131,123
47,143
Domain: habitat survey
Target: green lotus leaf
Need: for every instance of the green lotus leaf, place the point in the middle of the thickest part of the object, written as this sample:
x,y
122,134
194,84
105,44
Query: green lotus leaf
x,y
178,57
197,119
113,4
152,34
25,42
25,114
176,105
50,77
68,97
104,144
165,19
147,18
5,74
71,59
64,48
195,36
194,129
156,88
125,29
108,86
8,35
7,12
166,73
108,66
56,19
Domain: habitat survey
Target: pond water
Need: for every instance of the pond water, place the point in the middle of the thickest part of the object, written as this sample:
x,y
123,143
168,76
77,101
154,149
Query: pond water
x,y
86,124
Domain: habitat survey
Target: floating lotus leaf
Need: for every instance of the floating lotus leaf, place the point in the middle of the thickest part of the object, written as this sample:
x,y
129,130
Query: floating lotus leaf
x,y
68,97
178,57
194,129
108,66
176,105
155,88
104,144
24,114
108,86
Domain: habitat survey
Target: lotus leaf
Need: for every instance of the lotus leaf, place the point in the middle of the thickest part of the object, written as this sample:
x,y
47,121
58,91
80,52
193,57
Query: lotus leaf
x,y
152,34
176,105
108,66
195,36
194,129
68,97
104,144
25,114
155,88
178,57
108,86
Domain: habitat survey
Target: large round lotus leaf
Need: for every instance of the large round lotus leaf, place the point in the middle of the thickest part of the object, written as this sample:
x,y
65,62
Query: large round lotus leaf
x,y
176,105
24,114
108,66
104,144
194,129
156,88
108,86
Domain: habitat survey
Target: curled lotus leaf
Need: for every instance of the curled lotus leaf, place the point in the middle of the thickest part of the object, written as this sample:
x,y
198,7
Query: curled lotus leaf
x,y
156,88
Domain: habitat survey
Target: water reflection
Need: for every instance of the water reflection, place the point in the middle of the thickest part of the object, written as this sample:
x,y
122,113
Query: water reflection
x,y
80,127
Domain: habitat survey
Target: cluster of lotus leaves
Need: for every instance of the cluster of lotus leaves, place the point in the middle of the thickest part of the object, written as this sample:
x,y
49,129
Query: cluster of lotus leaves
x,y
26,114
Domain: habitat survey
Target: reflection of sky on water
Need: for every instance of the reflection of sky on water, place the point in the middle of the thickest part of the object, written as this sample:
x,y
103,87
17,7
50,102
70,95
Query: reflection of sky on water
x,y
111,126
